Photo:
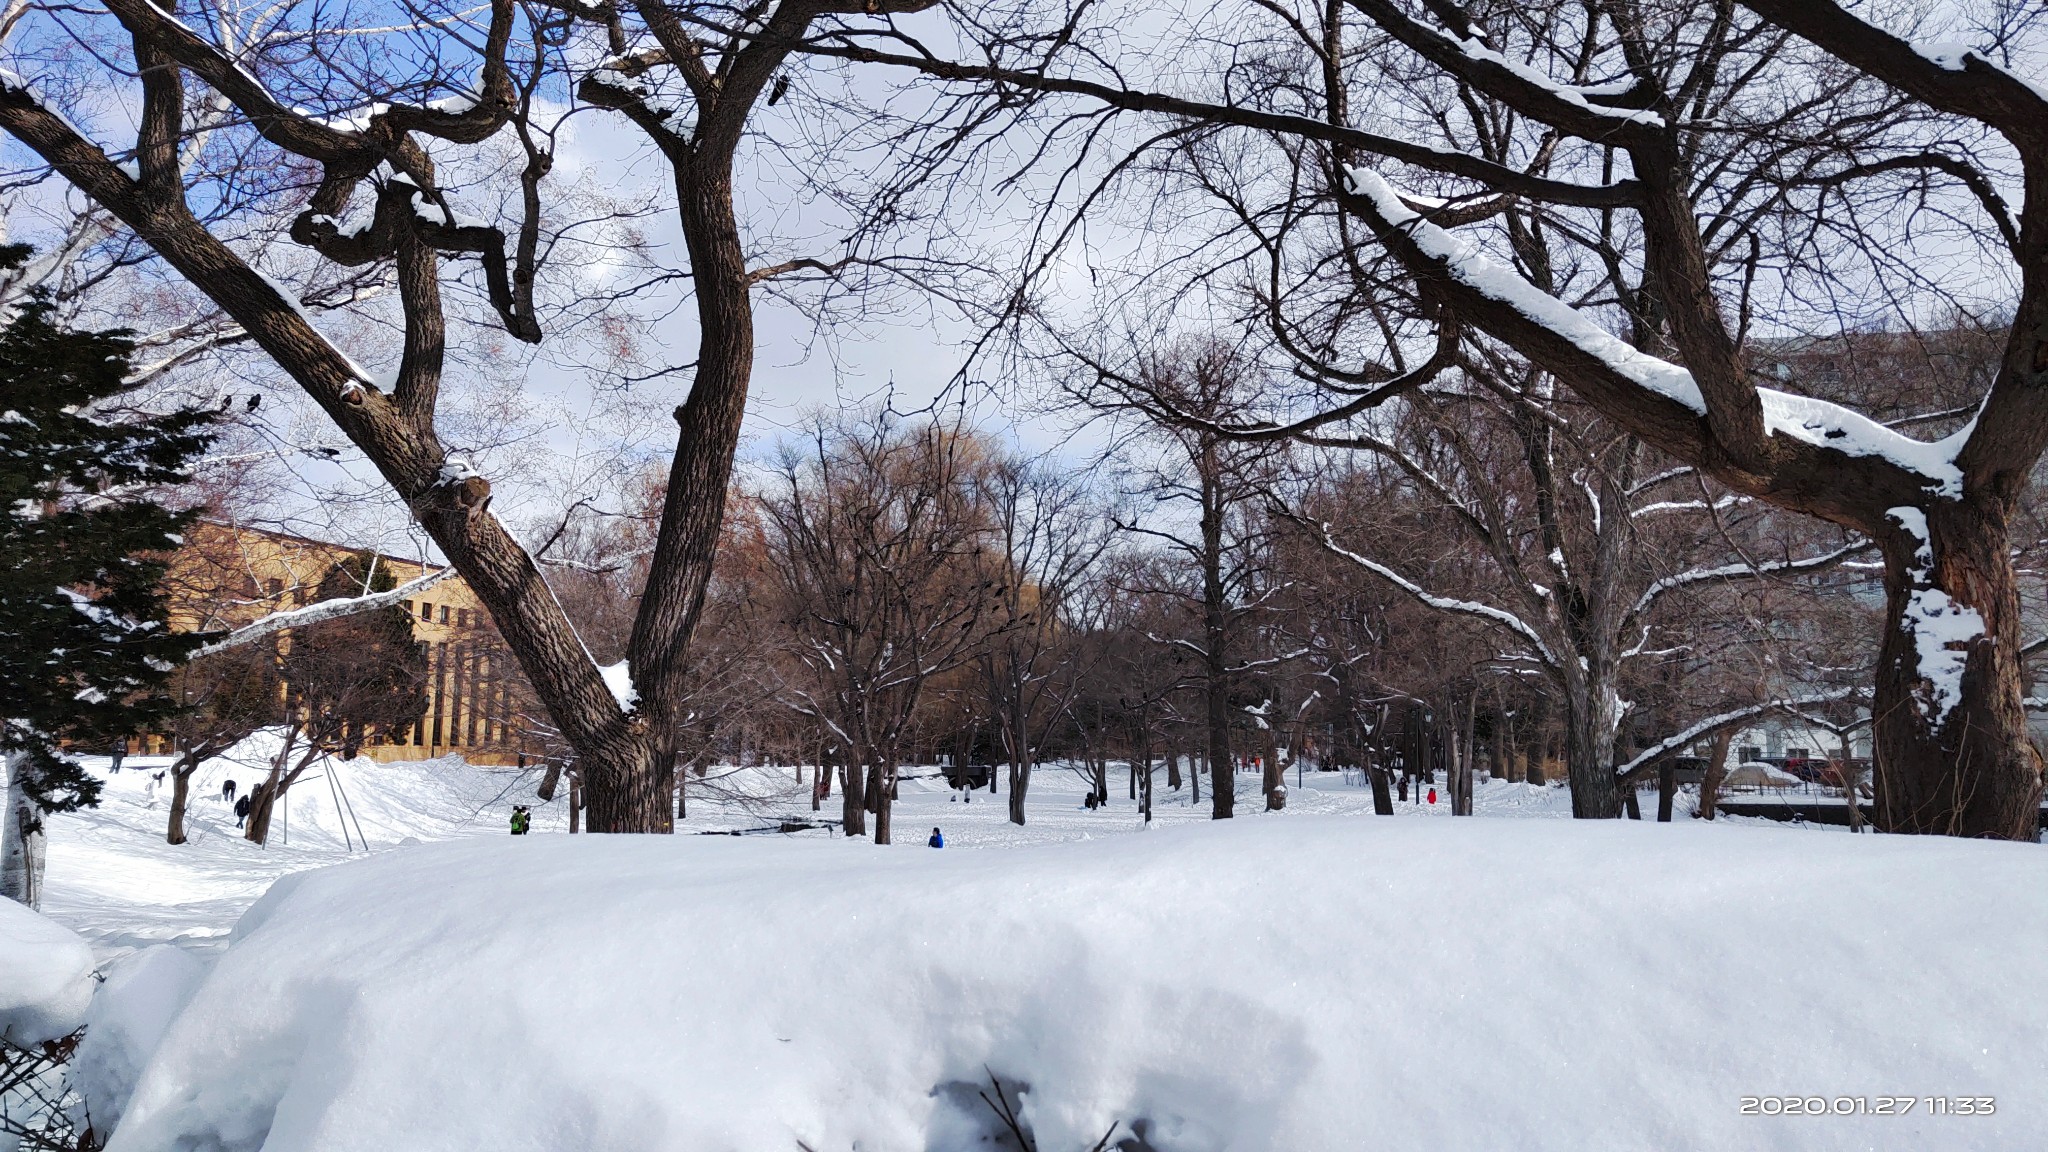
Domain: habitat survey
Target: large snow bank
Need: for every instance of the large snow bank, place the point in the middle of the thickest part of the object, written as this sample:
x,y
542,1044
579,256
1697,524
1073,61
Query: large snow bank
x,y
45,976
126,1022
1305,983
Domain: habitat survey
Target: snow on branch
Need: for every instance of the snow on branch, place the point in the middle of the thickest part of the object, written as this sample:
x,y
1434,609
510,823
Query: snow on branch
x,y
1720,503
1955,78
1716,723
322,612
1508,620
1741,571
1592,111
1826,725
1803,418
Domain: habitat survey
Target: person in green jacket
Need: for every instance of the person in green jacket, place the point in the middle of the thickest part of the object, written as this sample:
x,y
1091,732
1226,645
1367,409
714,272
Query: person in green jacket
x,y
520,819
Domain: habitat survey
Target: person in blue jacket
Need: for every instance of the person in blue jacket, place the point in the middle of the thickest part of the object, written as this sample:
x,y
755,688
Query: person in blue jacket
x,y
937,841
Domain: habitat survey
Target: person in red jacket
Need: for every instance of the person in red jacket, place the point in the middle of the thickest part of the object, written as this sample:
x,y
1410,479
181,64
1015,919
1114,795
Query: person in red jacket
x,y
1432,795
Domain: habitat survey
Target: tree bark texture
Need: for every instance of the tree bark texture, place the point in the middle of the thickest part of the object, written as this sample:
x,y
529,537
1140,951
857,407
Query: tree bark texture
x,y
853,806
23,846
181,794
1949,731
1717,771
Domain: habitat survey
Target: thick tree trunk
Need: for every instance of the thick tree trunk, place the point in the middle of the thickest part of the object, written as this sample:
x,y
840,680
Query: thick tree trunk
x,y
884,784
1468,750
181,794
1717,771
262,802
1382,796
628,788
1590,716
1020,783
1667,788
1173,768
1216,639
853,805
1222,786
1275,778
1949,738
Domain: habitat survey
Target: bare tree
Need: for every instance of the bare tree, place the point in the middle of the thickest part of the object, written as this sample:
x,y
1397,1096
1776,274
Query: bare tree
x,y
1711,170
1953,752
396,108
873,537
1215,487
1574,549
1047,535
225,698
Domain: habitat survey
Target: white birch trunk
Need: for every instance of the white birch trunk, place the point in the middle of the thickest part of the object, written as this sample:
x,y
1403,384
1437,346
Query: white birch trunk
x,y
22,844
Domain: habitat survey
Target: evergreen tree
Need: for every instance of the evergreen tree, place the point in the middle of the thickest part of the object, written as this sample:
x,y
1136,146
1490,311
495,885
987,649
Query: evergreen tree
x,y
82,541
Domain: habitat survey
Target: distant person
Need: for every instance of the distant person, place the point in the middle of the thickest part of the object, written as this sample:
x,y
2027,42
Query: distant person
x,y
241,811
521,820
120,753
937,841
1432,795
227,791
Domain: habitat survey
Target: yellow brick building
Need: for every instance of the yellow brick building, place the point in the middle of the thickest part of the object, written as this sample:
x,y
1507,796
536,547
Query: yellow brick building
x,y
478,705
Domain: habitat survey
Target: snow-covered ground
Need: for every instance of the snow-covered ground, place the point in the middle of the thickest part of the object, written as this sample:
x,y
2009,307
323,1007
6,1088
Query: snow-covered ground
x,y
113,879
1313,979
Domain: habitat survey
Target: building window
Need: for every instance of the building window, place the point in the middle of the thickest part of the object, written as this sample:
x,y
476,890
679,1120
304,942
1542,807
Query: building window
x,y
426,610
1749,753
1795,753
444,613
